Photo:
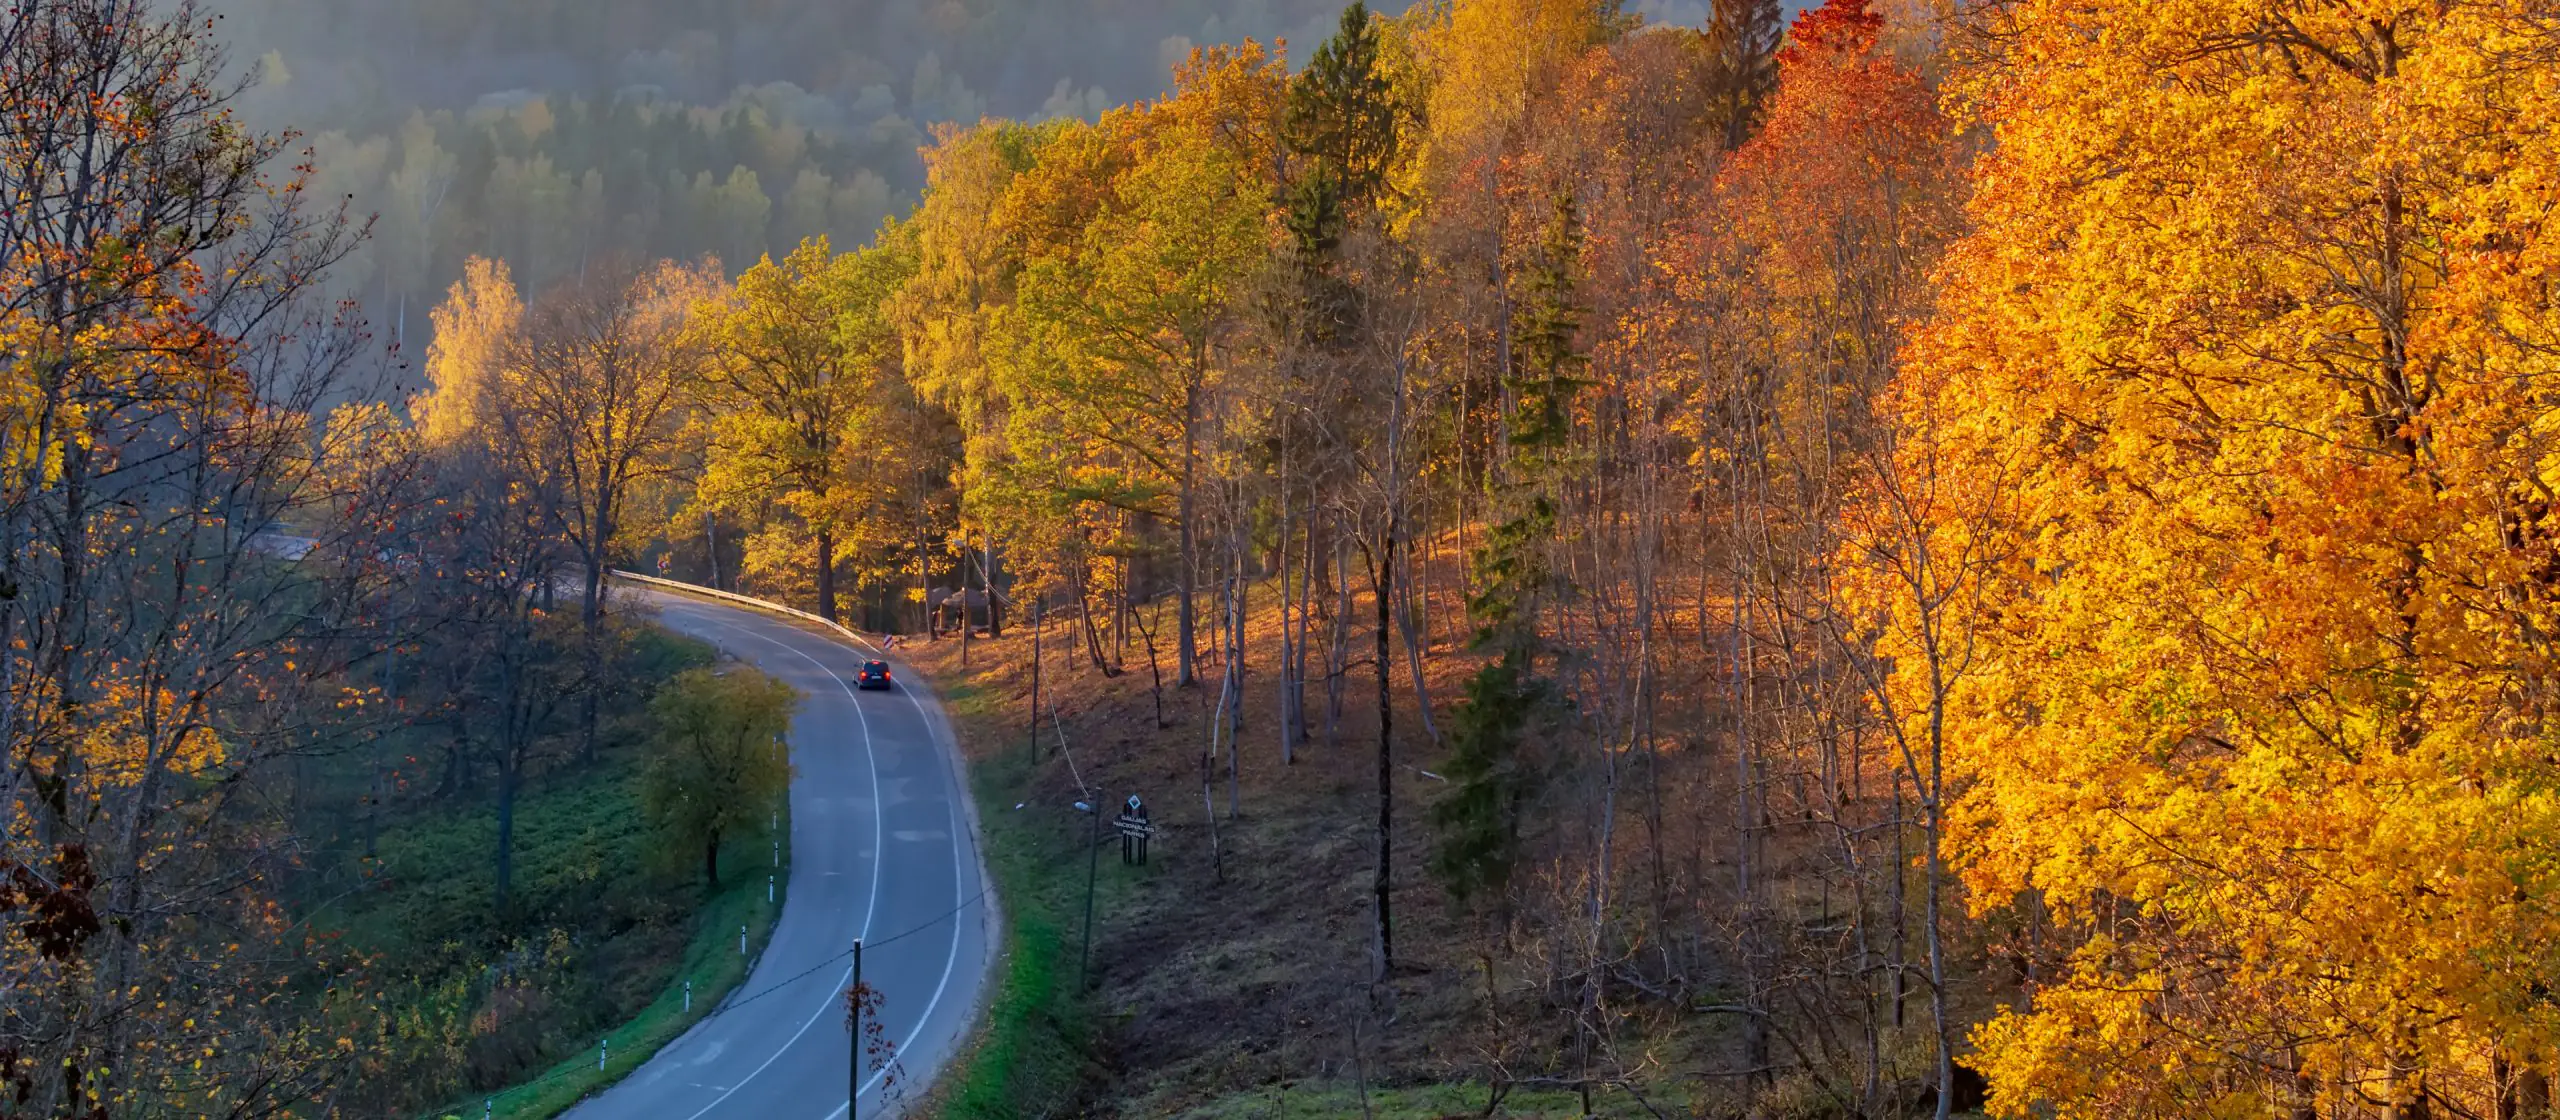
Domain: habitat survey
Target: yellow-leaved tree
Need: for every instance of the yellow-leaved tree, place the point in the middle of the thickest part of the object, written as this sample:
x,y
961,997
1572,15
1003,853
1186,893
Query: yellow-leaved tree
x,y
804,378
474,326
2234,432
1489,57
1143,231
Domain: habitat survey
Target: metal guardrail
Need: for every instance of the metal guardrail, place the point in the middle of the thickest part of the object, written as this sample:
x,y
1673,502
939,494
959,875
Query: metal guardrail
x,y
684,588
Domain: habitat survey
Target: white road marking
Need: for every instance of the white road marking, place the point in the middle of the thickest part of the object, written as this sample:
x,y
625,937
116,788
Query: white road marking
x,y
877,823
958,878
961,897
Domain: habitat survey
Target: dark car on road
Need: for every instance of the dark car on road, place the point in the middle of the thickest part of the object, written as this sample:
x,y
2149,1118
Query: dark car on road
x,y
875,674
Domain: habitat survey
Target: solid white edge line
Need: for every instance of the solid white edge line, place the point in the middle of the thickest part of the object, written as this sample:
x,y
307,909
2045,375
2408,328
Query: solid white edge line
x,y
879,861
959,823
959,890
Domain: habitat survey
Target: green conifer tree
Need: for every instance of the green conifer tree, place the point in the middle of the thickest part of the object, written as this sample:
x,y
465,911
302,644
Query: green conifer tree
x,y
1479,821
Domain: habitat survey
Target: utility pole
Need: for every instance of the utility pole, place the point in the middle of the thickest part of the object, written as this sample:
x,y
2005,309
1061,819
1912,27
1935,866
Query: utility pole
x,y
853,1093
1092,865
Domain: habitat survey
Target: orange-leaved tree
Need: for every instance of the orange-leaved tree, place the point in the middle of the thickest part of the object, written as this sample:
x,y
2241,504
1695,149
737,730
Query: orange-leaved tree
x,y
1816,259
2254,337
163,366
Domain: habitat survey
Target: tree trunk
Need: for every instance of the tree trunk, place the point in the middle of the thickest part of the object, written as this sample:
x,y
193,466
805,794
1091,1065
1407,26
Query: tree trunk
x,y
2502,1086
1414,644
1039,621
1186,642
1208,782
1934,806
1338,651
826,560
2533,1089
924,583
711,546
1235,678
591,621
457,751
1083,575
1383,568
1154,671
1901,912
987,580
711,860
1298,648
1288,638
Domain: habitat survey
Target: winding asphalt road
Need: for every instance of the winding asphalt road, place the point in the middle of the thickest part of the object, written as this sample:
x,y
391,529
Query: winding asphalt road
x,y
883,848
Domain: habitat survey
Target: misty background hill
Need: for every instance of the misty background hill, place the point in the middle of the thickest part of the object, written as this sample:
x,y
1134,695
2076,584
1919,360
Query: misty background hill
x,y
550,132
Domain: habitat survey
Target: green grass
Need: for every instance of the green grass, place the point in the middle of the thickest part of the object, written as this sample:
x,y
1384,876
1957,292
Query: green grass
x,y
714,965
602,929
1424,1102
1031,1052
1332,1100
578,841
971,700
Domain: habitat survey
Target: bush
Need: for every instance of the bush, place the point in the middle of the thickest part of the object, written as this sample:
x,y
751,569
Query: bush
x,y
716,765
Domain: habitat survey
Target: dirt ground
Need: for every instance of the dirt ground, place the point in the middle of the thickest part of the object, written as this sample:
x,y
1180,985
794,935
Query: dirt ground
x,y
1241,956
1235,973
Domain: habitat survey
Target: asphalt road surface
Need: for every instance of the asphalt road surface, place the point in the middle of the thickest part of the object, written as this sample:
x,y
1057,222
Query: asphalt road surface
x,y
884,849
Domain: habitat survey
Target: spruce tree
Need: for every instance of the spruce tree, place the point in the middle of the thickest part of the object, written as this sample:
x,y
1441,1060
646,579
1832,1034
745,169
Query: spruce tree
x,y
1341,132
1479,821
1742,38
1342,112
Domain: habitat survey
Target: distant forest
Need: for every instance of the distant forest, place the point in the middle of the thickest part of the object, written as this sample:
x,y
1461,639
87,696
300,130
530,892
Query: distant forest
x,y
549,133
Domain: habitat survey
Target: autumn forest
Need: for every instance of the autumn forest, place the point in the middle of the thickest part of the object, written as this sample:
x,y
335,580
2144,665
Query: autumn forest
x,y
1866,559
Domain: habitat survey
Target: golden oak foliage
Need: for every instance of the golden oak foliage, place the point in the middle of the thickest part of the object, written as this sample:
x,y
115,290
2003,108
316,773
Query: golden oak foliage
x,y
2243,383
129,738
804,368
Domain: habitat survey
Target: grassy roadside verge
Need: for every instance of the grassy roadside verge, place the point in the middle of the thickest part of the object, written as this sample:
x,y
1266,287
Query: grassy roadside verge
x,y
1421,1102
1030,1054
711,961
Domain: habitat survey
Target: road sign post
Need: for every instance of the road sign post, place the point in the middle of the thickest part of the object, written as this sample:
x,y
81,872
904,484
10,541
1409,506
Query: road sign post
x,y
1038,618
1092,863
